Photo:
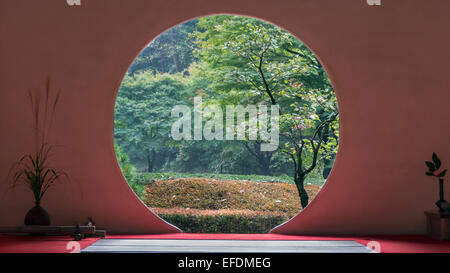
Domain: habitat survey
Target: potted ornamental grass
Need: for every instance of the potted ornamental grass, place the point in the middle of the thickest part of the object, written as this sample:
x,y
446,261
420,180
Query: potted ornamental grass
x,y
34,169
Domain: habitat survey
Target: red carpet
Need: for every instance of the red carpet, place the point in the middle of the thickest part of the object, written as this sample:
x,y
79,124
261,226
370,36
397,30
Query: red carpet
x,y
388,244
44,244
59,244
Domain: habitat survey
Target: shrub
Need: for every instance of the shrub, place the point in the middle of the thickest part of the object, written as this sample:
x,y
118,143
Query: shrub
x,y
233,222
200,205
129,172
207,194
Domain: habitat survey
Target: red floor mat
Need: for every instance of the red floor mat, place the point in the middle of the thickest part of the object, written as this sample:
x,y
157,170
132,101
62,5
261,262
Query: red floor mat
x,y
383,244
65,244
42,244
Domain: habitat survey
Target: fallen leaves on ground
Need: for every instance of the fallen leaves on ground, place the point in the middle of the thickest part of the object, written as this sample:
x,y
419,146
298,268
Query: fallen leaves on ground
x,y
203,196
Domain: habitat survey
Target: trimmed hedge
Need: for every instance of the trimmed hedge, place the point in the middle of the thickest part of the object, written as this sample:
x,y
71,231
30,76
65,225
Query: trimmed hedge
x,y
200,205
209,194
224,223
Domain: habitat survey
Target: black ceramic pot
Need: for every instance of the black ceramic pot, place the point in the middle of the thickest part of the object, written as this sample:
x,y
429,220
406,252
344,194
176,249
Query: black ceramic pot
x,y
37,216
442,204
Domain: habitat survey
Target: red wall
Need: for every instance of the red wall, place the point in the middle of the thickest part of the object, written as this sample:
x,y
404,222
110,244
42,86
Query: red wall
x,y
389,66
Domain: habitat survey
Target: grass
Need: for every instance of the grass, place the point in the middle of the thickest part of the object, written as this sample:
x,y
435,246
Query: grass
x,y
147,177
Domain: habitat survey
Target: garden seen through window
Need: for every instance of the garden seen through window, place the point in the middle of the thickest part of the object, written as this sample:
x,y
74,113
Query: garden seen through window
x,y
226,124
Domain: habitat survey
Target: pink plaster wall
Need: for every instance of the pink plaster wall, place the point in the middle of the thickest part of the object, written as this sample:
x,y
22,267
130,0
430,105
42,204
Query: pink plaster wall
x,y
389,66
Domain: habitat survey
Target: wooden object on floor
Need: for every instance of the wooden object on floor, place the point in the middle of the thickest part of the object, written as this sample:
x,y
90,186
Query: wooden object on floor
x,y
78,232
438,225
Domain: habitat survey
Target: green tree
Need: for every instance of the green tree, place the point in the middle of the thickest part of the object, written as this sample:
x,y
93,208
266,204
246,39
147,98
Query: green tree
x,y
129,171
143,115
250,61
170,52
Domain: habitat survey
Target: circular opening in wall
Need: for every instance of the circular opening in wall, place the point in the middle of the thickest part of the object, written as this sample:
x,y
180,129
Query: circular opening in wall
x,y
226,124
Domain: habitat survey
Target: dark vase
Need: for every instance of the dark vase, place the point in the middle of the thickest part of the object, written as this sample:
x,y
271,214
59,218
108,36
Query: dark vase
x,y
441,204
37,216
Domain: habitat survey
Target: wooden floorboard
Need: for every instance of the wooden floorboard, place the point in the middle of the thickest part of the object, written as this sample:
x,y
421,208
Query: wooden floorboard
x,y
224,246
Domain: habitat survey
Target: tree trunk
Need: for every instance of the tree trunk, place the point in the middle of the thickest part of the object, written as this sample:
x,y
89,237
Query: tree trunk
x,y
267,172
149,164
175,55
304,198
263,158
150,160
326,169
265,167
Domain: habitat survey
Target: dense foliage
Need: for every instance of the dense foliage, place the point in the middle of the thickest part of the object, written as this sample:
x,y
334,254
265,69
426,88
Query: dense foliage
x,y
224,223
170,52
129,172
229,60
